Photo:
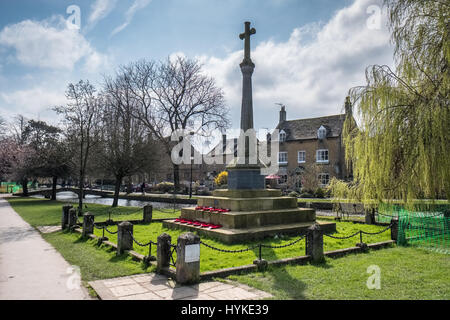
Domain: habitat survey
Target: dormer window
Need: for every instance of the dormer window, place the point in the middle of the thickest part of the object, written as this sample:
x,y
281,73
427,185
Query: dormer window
x,y
322,133
282,136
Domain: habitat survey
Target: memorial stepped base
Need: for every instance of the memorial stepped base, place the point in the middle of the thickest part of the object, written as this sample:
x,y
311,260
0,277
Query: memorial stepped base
x,y
254,214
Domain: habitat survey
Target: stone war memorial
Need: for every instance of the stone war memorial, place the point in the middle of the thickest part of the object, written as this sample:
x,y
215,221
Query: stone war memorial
x,y
246,210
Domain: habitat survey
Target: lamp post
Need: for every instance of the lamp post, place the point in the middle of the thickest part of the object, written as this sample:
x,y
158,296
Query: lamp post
x,y
191,160
190,185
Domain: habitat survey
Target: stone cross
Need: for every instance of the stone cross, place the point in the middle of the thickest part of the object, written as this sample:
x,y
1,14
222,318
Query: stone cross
x,y
246,35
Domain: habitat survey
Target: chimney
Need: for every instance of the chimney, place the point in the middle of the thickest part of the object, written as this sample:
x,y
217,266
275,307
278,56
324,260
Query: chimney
x,y
348,107
282,114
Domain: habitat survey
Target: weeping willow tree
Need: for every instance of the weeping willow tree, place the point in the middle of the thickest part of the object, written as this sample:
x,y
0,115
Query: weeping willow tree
x,y
400,149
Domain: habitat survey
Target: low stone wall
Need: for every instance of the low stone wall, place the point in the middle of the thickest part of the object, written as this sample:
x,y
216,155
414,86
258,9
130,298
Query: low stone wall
x,y
316,205
152,198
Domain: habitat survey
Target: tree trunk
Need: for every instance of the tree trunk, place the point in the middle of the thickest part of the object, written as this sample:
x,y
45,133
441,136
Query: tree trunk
x,y
116,191
25,187
55,180
80,195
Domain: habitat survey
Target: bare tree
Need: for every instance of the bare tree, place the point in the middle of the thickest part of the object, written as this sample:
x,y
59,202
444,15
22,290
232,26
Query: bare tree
x,y
17,129
81,117
127,147
174,95
51,158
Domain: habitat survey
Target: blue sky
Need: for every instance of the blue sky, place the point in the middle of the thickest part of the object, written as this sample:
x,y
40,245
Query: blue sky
x,y
307,53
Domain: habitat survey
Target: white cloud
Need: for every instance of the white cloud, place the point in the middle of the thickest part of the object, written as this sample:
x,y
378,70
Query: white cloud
x,y
33,103
129,14
99,10
311,72
49,44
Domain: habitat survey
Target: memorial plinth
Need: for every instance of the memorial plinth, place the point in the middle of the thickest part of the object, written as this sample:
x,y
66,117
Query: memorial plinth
x,y
255,212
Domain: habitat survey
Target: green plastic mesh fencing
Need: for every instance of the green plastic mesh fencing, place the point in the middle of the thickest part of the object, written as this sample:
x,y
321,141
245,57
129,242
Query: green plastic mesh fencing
x,y
427,226
427,232
9,187
431,232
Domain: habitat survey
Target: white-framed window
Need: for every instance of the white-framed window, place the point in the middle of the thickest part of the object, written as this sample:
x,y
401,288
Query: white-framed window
x,y
283,179
322,133
282,136
322,156
301,156
324,179
283,157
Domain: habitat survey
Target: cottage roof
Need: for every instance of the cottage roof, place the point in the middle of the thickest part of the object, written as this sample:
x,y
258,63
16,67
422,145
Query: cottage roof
x,y
302,129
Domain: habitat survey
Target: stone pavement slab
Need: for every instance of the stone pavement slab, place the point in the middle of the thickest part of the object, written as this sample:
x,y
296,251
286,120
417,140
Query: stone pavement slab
x,y
158,287
49,229
30,268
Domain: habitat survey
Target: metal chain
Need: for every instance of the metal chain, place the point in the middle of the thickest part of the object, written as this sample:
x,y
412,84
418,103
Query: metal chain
x,y
172,250
374,233
283,246
228,251
359,232
110,231
101,227
342,238
140,244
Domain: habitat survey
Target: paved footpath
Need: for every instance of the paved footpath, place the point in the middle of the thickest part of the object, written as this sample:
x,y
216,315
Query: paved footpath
x,y
30,268
159,287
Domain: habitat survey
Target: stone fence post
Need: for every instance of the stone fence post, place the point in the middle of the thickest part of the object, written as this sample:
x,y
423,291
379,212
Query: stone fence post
x,y
394,229
88,224
73,217
314,243
65,216
148,213
188,258
370,216
163,252
124,237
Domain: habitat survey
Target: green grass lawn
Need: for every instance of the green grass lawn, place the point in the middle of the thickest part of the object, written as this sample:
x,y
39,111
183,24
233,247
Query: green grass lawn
x,y
405,273
40,212
214,260
96,262
43,212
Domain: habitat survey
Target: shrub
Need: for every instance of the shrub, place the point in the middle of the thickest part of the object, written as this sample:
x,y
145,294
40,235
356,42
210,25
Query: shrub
x,y
222,178
293,194
319,193
164,186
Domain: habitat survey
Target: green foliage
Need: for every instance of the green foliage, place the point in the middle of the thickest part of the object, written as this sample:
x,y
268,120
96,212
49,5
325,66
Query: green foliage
x,y
319,193
293,194
400,150
164,186
222,178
